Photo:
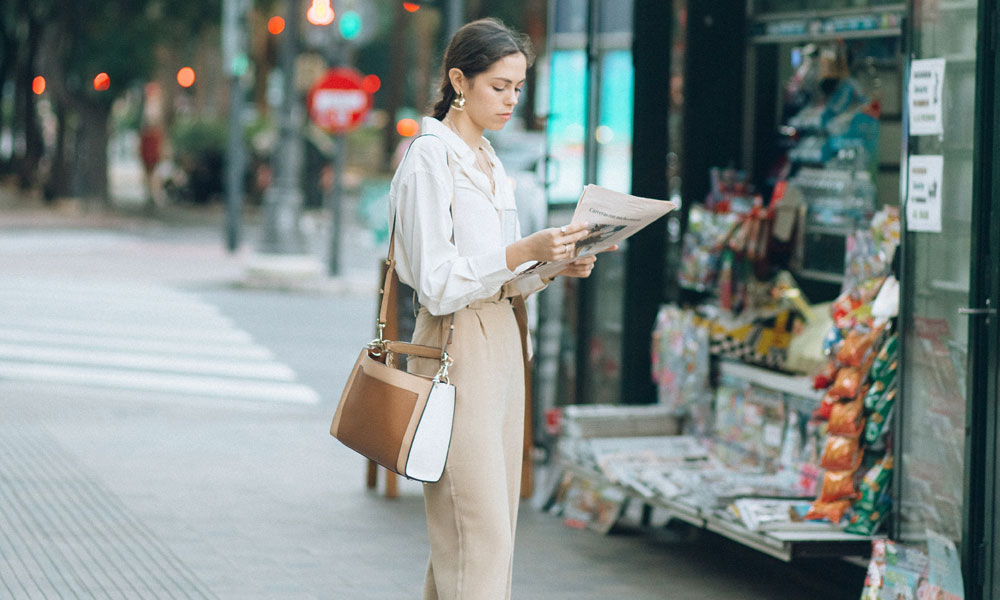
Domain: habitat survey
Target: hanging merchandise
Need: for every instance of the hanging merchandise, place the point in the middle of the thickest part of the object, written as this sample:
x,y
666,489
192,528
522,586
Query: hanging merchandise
x,y
680,357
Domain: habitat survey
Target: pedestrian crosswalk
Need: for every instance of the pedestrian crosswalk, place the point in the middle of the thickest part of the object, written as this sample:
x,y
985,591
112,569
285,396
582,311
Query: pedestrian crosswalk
x,y
141,337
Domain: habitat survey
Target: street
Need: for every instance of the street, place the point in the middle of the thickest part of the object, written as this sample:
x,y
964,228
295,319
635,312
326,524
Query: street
x,y
165,435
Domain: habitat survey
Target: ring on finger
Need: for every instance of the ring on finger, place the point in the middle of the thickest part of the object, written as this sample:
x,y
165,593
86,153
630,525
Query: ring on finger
x,y
562,229
566,248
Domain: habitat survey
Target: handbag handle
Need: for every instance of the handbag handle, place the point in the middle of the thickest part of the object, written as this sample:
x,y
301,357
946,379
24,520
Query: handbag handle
x,y
379,344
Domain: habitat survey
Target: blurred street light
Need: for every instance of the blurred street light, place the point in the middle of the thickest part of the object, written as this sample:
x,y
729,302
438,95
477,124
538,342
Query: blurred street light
x,y
407,127
275,25
38,85
185,77
102,82
411,6
320,13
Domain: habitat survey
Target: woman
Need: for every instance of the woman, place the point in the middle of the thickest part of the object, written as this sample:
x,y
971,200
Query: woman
x,y
453,212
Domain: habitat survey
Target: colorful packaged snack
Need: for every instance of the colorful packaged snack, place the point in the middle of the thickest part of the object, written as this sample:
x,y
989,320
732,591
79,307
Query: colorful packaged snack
x,y
847,383
885,356
841,454
878,420
825,406
866,522
838,485
846,417
831,511
873,395
856,347
875,485
825,377
832,341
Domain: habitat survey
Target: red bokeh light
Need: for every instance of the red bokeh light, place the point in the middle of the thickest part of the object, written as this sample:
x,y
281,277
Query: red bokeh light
x,y
407,127
185,77
411,6
371,83
275,25
102,82
38,85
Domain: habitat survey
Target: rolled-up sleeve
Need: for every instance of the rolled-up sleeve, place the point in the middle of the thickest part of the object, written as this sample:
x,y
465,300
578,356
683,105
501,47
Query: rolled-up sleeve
x,y
444,280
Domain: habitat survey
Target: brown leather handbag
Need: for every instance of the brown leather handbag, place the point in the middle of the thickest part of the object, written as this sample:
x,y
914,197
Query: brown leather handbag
x,y
400,420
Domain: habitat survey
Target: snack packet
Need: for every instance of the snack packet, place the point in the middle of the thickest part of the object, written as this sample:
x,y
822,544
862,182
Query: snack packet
x,y
831,511
838,485
846,417
841,454
847,383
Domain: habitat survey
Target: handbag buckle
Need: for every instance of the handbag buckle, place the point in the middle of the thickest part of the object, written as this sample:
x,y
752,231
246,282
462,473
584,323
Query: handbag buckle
x,y
442,374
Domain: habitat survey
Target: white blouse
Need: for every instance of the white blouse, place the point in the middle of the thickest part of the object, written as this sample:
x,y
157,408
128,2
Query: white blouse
x,y
448,275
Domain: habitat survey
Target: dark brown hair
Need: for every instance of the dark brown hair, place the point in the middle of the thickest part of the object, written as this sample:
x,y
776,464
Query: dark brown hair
x,y
473,49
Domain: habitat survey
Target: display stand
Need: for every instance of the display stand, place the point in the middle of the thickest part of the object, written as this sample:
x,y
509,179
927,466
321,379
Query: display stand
x,y
809,539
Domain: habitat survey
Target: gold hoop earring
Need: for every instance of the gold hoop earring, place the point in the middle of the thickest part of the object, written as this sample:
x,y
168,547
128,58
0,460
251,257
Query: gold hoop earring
x,y
459,102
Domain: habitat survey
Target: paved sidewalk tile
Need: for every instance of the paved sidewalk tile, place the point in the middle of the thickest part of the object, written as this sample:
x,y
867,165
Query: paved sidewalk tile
x,y
64,535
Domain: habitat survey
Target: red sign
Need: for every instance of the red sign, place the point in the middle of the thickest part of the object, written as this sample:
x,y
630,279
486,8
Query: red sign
x,y
338,102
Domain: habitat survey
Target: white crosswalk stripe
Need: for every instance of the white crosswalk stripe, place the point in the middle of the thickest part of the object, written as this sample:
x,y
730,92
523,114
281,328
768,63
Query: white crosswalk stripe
x,y
144,338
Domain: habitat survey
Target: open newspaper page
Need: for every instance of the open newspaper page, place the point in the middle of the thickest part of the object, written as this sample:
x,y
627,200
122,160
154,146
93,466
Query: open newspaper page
x,y
612,216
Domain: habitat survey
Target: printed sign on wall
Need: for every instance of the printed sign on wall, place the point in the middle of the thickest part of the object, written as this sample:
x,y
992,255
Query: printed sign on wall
x,y
926,95
923,194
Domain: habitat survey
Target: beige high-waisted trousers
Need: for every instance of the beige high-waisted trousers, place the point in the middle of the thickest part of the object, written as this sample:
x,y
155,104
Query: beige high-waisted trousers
x,y
472,510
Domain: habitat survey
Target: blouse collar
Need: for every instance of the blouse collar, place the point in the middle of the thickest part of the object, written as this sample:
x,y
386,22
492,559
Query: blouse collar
x,y
461,150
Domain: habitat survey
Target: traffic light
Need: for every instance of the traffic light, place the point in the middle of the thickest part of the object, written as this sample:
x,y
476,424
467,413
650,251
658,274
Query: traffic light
x,y
350,24
320,13
102,82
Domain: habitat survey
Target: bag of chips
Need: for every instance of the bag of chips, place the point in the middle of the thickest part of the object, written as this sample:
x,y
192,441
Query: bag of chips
x,y
841,454
856,347
875,485
846,417
886,356
847,383
831,511
838,485
878,420
866,522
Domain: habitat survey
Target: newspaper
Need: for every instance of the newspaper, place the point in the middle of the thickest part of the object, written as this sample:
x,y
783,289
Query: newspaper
x,y
612,216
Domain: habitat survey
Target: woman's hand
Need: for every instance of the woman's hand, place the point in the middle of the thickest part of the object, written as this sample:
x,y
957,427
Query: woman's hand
x,y
547,245
582,267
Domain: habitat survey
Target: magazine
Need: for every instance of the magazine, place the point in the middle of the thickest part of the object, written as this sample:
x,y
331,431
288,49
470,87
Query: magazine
x,y
612,216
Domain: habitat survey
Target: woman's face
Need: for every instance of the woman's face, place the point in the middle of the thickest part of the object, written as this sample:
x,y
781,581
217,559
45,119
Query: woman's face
x,y
491,96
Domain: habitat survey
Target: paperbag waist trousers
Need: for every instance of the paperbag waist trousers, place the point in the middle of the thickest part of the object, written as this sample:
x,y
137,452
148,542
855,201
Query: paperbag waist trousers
x,y
472,510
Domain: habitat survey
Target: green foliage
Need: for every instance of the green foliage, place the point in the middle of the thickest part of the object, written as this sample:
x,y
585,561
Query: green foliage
x,y
198,137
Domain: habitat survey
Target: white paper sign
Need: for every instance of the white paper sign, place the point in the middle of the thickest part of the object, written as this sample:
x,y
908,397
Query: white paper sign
x,y
923,193
926,94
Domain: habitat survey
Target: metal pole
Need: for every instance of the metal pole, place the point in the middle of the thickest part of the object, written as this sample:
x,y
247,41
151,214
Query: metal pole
x,y
456,18
283,200
234,48
336,202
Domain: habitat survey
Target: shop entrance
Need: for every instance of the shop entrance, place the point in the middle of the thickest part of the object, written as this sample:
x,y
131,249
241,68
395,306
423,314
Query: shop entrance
x,y
947,467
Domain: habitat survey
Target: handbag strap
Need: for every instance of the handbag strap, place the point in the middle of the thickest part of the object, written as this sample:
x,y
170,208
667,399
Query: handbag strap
x,y
389,286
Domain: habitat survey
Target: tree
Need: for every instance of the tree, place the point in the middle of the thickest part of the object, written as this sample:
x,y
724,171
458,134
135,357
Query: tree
x,y
72,43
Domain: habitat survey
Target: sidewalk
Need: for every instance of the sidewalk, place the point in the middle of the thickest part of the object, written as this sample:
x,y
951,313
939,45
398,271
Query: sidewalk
x,y
118,494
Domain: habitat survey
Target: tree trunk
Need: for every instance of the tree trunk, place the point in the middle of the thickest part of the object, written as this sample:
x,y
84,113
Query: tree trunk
x,y
89,170
8,58
27,164
57,184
